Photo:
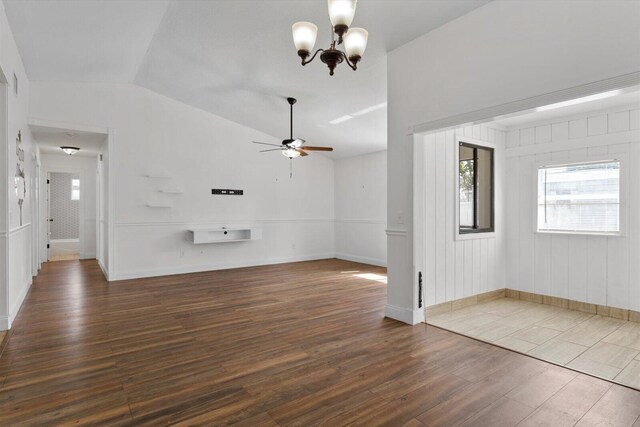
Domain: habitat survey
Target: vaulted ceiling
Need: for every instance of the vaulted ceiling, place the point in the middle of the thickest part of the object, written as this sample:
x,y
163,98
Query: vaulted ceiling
x,y
234,58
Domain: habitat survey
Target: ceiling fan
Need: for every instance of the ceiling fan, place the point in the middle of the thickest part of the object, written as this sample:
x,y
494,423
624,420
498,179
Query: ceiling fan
x,y
292,147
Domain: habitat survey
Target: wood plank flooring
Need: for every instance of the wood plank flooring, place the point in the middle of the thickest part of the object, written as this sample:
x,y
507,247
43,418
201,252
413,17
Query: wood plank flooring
x,y
288,345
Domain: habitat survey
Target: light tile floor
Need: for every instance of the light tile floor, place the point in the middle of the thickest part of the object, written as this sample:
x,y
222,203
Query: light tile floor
x,y
600,346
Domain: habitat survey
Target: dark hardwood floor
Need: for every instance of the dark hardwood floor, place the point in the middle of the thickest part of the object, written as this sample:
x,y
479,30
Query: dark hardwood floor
x,y
293,344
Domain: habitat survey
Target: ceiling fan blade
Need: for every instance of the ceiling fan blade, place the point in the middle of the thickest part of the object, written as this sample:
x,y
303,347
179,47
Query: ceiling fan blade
x,y
311,148
264,143
272,149
302,153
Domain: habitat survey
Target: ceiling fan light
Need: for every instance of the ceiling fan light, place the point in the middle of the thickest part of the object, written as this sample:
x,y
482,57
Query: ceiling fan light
x,y
341,12
70,150
304,37
291,153
355,43
297,143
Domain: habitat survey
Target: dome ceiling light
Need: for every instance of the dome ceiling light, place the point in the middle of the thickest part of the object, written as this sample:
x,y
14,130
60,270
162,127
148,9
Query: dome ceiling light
x,y
70,150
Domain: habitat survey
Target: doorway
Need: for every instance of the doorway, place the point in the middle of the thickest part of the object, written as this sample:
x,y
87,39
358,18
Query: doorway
x,y
553,278
63,216
73,197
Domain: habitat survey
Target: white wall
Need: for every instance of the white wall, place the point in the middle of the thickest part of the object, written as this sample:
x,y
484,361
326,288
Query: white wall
x,y
454,269
86,167
361,208
529,48
594,269
15,239
152,134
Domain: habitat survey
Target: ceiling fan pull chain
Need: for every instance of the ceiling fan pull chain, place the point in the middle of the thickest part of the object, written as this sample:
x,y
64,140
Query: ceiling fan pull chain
x,y
290,168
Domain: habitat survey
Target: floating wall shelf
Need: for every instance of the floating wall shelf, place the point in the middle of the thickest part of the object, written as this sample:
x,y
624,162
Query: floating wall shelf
x,y
170,191
157,205
157,176
202,235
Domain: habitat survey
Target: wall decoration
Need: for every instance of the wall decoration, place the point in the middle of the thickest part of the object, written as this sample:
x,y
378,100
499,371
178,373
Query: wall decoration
x,y
19,179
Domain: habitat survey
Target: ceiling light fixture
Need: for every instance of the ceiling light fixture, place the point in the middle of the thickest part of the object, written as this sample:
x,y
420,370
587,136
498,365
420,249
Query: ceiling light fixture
x,y
70,150
570,102
291,153
341,13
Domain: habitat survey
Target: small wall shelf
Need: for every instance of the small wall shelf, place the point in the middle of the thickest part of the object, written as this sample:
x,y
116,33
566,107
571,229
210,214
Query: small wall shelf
x,y
158,205
202,235
170,191
157,176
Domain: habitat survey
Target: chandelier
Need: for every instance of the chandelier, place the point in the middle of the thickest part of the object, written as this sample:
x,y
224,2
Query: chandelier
x,y
341,14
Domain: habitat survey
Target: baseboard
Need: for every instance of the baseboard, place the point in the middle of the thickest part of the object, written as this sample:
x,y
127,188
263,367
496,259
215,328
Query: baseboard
x,y
4,323
13,313
406,315
457,304
600,310
88,255
362,260
212,267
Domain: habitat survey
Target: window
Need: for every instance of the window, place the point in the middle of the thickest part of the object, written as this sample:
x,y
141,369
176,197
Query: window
x,y
475,191
75,189
583,197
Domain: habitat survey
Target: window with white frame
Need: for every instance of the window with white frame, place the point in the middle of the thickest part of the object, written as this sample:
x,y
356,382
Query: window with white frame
x,y
75,189
580,197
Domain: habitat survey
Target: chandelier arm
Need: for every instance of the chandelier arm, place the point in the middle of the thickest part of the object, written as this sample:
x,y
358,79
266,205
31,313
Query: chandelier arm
x,y
346,58
305,62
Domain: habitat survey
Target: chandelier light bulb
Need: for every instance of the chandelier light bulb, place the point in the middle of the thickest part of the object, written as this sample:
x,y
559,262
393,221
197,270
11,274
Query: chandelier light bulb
x,y
355,43
341,12
304,36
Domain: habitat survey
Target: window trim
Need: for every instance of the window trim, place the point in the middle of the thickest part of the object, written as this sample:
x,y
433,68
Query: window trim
x,y
480,234
583,160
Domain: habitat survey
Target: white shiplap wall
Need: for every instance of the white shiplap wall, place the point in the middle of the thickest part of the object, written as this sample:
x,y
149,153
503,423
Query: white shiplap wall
x,y
454,269
594,269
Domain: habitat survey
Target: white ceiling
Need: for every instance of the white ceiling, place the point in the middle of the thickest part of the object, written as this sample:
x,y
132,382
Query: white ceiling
x,y
627,100
51,139
87,41
233,58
